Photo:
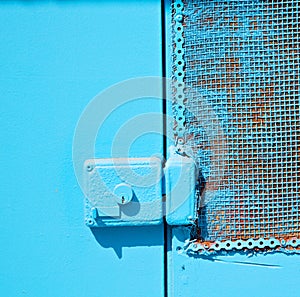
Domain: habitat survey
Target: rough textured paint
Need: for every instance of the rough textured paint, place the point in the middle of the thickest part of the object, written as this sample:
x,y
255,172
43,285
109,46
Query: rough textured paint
x,y
144,175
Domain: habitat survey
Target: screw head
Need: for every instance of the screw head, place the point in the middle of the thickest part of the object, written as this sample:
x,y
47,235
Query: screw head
x,y
90,222
179,18
179,249
89,168
180,140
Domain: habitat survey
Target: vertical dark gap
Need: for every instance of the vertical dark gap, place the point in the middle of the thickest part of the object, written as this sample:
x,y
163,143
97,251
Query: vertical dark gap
x,y
164,73
164,109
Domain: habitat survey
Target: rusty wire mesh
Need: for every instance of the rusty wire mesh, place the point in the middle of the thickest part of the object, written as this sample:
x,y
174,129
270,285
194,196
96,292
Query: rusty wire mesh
x,y
242,66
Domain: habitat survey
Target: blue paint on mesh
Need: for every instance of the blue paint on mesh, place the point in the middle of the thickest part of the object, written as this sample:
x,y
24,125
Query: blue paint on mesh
x,y
242,64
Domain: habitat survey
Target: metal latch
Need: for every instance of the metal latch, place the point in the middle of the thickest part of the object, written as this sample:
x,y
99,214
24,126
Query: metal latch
x,y
131,191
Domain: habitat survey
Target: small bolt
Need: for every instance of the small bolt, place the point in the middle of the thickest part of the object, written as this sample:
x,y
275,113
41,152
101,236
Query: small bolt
x,y
179,18
89,168
90,222
179,249
180,140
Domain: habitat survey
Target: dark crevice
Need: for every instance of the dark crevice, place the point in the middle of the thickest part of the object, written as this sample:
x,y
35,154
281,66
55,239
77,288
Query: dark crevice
x,y
164,109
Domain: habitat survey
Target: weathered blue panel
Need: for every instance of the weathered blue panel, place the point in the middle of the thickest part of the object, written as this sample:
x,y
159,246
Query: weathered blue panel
x,y
55,57
233,275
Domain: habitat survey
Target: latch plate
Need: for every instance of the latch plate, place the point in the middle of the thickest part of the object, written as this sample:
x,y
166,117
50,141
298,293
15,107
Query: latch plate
x,y
181,176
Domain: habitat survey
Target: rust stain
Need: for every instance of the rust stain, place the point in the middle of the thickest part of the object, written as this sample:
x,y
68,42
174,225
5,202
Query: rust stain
x,y
254,162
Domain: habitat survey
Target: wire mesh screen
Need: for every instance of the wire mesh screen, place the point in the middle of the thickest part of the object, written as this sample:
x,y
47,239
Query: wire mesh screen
x,y
242,116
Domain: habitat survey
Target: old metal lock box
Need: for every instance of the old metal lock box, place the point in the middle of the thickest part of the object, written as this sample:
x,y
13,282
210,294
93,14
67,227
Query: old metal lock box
x,y
129,192
123,192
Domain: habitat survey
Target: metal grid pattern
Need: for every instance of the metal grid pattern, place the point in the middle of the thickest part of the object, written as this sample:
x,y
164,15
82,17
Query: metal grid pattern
x,y
242,116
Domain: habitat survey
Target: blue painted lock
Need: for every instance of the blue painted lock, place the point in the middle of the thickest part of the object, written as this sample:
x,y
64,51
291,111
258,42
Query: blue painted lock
x,y
129,191
123,191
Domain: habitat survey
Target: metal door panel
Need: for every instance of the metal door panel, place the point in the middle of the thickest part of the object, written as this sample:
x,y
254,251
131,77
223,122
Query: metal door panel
x,y
205,271
231,275
55,57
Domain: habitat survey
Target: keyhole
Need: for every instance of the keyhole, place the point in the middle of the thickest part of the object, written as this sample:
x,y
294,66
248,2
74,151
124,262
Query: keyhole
x,y
123,193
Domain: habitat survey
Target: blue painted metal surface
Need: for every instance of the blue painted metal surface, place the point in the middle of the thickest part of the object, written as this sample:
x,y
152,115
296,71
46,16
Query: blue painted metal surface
x,y
123,192
180,176
234,274
53,61
55,57
192,272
